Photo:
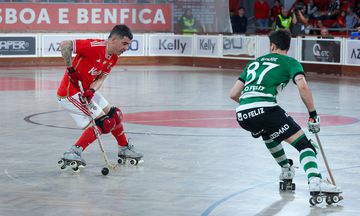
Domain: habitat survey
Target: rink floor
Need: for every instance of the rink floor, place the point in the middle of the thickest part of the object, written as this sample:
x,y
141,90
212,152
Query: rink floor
x,y
197,161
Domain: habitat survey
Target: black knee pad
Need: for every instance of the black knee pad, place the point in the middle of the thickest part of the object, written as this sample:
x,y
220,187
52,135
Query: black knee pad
x,y
116,114
304,143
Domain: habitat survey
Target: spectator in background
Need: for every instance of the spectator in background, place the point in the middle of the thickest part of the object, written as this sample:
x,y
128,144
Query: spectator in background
x,y
189,24
324,33
332,11
275,11
312,10
284,20
299,20
239,22
318,25
351,18
340,21
261,13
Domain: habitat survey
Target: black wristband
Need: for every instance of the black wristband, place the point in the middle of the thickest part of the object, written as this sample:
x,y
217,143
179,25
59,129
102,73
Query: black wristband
x,y
93,90
71,70
312,114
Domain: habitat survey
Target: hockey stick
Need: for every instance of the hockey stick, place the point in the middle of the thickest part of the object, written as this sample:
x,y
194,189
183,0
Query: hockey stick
x,y
96,130
325,160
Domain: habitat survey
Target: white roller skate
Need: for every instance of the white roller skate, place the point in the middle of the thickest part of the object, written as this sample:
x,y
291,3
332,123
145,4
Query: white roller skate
x,y
72,158
320,188
127,153
286,177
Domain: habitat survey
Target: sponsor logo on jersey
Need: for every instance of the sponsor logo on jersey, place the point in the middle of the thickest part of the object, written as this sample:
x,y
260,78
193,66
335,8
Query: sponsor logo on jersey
x,y
254,88
251,114
94,71
269,59
282,130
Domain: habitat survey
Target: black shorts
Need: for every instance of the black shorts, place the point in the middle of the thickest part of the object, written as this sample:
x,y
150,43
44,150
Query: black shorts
x,y
269,122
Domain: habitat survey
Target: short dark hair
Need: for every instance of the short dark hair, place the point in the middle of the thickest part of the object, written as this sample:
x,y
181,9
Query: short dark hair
x,y
281,38
122,31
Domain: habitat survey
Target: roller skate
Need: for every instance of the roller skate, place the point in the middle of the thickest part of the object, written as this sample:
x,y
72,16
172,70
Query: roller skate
x,y
127,153
286,177
320,189
72,158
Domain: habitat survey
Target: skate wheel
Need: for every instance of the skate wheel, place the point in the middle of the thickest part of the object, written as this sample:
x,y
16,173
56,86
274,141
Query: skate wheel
x,y
121,161
335,199
328,200
76,169
133,162
319,199
105,171
61,163
293,186
281,186
73,164
312,201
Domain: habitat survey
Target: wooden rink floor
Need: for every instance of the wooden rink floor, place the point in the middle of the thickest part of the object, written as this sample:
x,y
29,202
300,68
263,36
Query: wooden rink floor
x,y
198,161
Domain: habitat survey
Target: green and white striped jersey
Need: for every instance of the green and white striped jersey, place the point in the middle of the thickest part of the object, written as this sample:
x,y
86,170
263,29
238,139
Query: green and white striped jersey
x,y
265,77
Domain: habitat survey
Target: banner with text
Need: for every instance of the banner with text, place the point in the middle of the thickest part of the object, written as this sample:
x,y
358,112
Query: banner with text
x,y
239,46
137,46
170,45
22,17
51,42
207,46
352,55
321,50
18,45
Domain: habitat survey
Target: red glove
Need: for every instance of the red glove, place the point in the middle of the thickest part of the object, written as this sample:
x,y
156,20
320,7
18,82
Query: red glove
x,y
88,95
73,75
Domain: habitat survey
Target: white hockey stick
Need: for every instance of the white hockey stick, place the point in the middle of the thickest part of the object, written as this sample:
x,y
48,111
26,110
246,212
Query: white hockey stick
x,y
96,130
325,160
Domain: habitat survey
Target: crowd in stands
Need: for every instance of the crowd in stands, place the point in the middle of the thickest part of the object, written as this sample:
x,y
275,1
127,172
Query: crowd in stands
x,y
339,17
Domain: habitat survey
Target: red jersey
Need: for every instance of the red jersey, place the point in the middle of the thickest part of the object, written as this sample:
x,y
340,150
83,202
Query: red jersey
x,y
91,61
261,10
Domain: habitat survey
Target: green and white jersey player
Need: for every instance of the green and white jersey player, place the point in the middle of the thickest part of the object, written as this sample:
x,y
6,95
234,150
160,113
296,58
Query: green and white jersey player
x,y
258,111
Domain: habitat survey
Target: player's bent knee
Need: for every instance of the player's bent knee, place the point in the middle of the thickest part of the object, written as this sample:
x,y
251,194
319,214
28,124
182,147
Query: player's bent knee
x,y
304,143
106,124
116,114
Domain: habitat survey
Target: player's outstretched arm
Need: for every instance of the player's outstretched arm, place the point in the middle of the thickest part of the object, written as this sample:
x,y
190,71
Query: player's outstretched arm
x,y
306,96
305,93
236,90
66,48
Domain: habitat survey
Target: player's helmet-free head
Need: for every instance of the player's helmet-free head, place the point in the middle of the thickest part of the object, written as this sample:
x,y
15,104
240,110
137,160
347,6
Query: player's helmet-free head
x,y
281,38
121,31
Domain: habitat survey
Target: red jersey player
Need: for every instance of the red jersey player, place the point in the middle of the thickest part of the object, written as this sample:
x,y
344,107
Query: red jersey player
x,y
91,65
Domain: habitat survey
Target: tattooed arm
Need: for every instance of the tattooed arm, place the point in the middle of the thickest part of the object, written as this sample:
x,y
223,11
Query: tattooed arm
x,y
66,51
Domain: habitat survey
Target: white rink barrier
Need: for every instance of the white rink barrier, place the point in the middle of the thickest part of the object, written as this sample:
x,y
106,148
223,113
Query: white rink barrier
x,y
342,51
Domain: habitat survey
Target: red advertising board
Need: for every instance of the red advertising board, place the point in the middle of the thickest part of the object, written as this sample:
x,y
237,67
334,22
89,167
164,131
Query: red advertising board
x,y
18,17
